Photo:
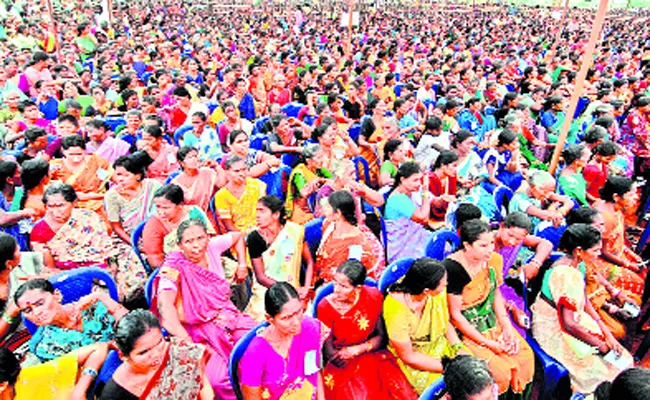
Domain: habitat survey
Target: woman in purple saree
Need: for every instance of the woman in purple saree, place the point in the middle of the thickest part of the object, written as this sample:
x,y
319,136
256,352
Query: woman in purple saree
x,y
516,245
193,298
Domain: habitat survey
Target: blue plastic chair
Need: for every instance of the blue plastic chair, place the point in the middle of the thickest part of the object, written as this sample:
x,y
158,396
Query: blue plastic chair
x,y
109,367
437,245
148,288
435,391
429,103
290,159
553,370
258,142
313,234
398,89
136,235
172,175
355,131
502,196
114,122
75,284
180,132
550,233
489,110
212,105
366,168
145,78
275,180
328,289
238,352
643,239
292,109
394,272
259,124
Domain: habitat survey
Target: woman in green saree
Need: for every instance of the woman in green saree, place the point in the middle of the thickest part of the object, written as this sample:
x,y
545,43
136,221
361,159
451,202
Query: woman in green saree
x,y
571,182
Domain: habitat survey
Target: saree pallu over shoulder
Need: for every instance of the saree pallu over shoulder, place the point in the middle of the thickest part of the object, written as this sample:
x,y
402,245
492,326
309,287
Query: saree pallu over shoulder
x,y
180,376
292,206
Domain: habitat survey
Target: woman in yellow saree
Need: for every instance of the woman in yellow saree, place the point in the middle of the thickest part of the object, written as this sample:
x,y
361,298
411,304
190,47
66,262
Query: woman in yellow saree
x,y
305,180
86,173
53,380
478,310
417,321
276,249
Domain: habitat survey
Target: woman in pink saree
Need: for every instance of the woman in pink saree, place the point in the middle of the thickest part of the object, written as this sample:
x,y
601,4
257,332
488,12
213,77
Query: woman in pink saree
x,y
193,298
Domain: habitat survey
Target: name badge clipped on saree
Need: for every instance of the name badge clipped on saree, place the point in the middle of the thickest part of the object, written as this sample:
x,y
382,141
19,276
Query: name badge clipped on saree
x,y
355,252
171,158
311,366
102,174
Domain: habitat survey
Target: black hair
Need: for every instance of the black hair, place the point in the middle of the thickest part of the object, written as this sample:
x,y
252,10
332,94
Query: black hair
x,y
188,223
466,376
279,294
180,91
460,137
97,124
354,271
594,134
506,137
424,273
131,327
572,153
184,151
390,147
33,284
70,118
467,212
234,134
471,230
73,141
581,215
135,163
232,160
433,124
275,204
66,191
579,236
606,149
8,246
615,185
7,170
9,367
605,122
33,172
171,192
632,384
518,220
33,133
153,130
343,201
445,157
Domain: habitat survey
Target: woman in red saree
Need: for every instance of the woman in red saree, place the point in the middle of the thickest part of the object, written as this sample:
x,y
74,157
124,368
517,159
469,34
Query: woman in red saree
x,y
156,368
360,366
162,153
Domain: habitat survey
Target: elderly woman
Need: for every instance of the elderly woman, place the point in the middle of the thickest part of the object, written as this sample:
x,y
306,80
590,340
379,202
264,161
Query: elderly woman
x,y
92,245
159,235
154,367
193,298
63,328
565,324
198,183
305,180
88,174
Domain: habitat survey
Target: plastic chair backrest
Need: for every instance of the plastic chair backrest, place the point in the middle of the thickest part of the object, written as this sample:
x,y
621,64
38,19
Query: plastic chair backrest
x,y
114,122
434,391
398,89
76,283
366,168
135,241
328,289
238,352
212,105
259,124
180,132
437,245
489,110
313,234
172,176
258,142
148,288
275,181
292,109
111,363
394,272
355,131
502,196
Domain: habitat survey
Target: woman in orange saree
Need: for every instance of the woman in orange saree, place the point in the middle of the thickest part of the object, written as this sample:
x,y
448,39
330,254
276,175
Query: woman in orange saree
x,y
86,173
372,137
360,366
